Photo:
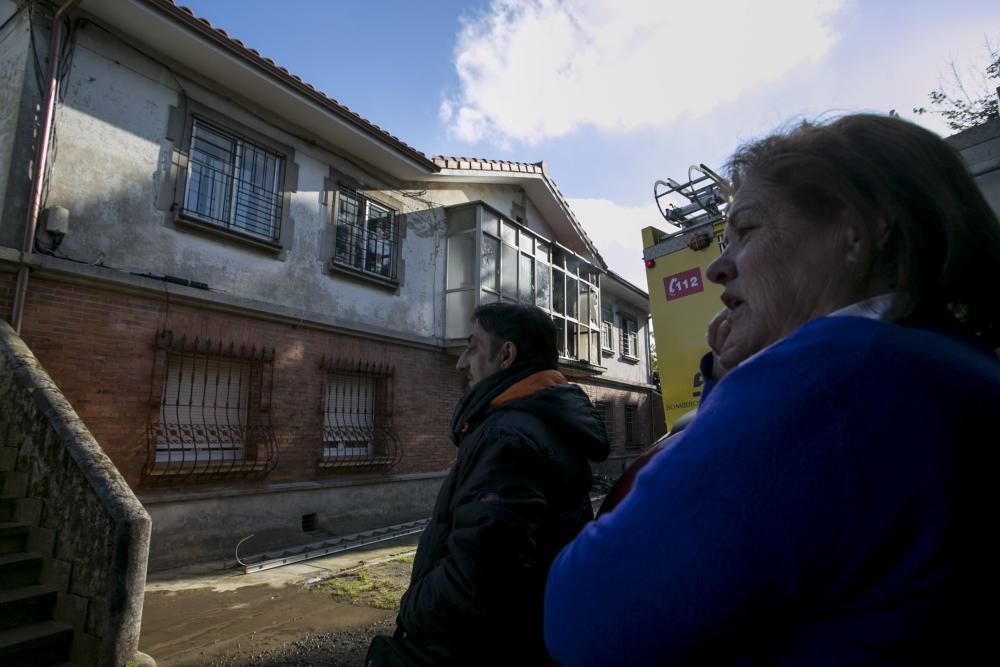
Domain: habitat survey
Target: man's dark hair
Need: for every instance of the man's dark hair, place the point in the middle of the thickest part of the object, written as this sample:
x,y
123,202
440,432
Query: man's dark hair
x,y
529,328
942,254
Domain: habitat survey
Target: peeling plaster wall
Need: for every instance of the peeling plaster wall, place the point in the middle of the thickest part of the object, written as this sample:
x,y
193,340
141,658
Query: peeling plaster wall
x,y
500,197
15,103
113,156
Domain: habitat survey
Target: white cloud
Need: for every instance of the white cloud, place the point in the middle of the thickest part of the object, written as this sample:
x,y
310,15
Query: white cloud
x,y
535,69
617,232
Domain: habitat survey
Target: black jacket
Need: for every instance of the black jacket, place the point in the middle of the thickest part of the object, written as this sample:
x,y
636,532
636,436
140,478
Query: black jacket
x,y
518,492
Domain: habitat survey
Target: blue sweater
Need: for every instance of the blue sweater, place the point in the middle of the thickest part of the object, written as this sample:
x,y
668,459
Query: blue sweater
x,y
830,505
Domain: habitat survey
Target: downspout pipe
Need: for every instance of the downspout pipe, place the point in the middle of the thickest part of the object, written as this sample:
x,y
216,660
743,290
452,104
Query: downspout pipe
x,y
41,157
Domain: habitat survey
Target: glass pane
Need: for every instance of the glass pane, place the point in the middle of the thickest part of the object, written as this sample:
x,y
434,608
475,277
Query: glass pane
x,y
490,268
491,223
526,242
458,314
543,286
595,352
209,186
584,346
560,325
571,331
558,291
461,251
542,250
572,298
526,279
350,230
584,302
508,233
558,257
595,312
488,297
380,240
508,271
461,219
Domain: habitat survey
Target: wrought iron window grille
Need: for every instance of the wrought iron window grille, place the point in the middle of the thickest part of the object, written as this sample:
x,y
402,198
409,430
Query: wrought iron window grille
x,y
605,411
356,407
209,414
233,182
631,426
367,235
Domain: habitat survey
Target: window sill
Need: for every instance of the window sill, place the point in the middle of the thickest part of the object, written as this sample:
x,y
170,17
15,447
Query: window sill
x,y
628,359
273,247
581,365
334,267
607,352
357,463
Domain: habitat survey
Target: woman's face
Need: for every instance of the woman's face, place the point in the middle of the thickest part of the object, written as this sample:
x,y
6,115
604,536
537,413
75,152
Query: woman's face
x,y
780,270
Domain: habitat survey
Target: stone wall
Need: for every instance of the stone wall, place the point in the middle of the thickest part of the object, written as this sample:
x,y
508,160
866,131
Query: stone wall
x,y
91,529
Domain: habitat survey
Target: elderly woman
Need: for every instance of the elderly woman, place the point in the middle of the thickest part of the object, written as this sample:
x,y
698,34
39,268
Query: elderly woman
x,y
832,501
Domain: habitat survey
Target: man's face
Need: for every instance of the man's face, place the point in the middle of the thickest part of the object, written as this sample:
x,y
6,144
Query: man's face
x,y
482,357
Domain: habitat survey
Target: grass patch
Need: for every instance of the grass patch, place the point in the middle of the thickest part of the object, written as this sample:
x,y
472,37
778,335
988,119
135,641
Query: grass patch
x,y
379,586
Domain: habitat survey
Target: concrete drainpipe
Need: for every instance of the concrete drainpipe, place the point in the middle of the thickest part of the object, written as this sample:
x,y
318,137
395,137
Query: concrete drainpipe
x,y
41,156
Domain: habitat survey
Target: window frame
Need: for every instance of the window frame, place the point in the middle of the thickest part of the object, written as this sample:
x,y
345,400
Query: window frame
x,y
210,446
174,190
341,189
607,319
627,351
382,447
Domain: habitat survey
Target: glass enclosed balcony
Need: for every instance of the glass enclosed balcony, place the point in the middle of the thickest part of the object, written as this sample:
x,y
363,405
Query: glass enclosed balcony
x,y
491,258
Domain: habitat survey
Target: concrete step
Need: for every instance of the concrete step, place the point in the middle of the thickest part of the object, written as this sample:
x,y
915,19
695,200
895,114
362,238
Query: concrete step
x,y
19,569
26,605
13,536
36,645
7,506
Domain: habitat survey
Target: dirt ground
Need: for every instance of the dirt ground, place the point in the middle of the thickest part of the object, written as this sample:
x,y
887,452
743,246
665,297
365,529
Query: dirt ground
x,y
320,613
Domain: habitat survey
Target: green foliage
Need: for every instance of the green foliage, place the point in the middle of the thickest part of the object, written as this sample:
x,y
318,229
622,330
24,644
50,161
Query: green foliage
x,y
962,109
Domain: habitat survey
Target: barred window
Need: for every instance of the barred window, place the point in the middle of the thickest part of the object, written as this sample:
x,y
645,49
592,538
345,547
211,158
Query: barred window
x,y
605,411
630,337
357,413
233,182
631,426
210,417
366,235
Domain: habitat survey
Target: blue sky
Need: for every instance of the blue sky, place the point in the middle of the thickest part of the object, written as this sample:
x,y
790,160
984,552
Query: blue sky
x,y
612,94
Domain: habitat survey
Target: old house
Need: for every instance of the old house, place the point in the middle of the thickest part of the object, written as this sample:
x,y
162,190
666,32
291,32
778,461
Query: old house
x,y
255,298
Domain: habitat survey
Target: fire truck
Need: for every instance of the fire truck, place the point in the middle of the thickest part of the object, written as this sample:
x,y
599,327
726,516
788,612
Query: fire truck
x,y
681,299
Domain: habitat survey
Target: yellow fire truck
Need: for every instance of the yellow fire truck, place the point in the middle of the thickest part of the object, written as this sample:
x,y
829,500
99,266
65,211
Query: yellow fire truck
x,y
681,299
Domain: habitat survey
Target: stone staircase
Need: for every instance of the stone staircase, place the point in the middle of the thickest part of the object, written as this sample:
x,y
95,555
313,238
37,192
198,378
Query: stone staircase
x,y
28,635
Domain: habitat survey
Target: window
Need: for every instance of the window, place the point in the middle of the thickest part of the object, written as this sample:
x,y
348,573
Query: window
x,y
357,422
631,426
366,235
630,337
210,413
233,182
607,329
605,411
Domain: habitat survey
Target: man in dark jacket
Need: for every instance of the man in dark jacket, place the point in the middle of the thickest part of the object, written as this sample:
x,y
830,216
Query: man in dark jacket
x,y
518,492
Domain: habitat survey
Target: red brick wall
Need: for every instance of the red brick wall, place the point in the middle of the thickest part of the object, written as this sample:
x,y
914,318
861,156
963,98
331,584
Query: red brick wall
x,y
98,347
649,422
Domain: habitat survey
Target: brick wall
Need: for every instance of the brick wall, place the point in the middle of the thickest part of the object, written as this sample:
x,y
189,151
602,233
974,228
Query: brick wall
x,y
98,346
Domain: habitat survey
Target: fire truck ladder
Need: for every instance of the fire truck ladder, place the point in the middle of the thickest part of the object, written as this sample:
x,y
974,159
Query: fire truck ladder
x,y
707,197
